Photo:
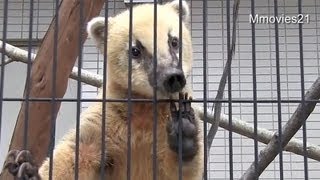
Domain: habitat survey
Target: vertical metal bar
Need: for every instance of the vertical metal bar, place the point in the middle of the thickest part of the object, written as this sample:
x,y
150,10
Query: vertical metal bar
x,y
4,40
271,76
287,74
223,61
114,6
304,128
317,34
22,19
229,94
205,88
278,88
79,87
254,79
104,93
155,110
129,91
180,103
53,9
192,33
38,16
180,140
240,92
27,88
53,98
180,34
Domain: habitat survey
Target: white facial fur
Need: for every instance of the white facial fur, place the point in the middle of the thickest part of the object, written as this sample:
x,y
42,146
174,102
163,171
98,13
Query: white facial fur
x,y
118,38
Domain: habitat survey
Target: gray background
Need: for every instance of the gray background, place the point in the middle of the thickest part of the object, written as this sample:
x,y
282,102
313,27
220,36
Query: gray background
x,y
242,86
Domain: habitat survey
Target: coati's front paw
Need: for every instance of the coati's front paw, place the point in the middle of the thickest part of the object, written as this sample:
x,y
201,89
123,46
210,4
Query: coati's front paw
x,y
20,164
189,129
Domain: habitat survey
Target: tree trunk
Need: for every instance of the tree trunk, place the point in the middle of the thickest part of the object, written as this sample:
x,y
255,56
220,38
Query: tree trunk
x,y
41,80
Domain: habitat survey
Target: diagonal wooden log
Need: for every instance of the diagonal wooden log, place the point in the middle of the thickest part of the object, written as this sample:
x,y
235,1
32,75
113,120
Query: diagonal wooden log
x,y
295,122
41,79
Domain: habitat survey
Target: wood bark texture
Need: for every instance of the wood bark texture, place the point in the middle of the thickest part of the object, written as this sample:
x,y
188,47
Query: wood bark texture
x,y
40,113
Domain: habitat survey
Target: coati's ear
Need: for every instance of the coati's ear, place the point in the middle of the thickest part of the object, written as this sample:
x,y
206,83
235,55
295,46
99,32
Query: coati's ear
x,y
96,29
185,9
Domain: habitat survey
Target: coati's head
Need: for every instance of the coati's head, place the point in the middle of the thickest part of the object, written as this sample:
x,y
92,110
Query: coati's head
x,y
171,77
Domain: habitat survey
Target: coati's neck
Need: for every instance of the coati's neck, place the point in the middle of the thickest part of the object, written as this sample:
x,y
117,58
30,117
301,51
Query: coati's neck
x,y
115,91
141,112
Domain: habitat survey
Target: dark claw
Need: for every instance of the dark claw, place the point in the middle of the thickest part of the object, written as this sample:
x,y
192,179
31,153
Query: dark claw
x,y
26,170
23,156
20,164
10,162
189,128
173,107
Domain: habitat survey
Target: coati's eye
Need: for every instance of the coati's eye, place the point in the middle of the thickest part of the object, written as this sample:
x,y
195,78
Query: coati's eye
x,y
175,42
135,52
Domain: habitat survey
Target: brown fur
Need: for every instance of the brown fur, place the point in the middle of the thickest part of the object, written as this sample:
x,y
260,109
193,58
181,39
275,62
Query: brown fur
x,y
117,117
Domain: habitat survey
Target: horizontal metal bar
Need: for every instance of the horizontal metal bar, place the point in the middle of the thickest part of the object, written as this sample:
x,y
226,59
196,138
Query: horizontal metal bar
x,y
150,100
24,42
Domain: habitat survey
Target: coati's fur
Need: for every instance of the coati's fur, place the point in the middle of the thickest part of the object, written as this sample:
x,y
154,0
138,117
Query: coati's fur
x,y
142,112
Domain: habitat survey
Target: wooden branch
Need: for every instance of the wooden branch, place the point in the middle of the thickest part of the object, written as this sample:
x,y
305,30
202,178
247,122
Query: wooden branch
x,y
238,126
41,81
264,135
20,55
301,114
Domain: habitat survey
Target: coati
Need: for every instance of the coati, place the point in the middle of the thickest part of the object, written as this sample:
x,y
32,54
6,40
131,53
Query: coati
x,y
171,83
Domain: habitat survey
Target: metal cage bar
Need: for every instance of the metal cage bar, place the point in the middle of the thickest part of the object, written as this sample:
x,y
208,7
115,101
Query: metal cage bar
x,y
154,99
304,128
278,89
79,88
54,89
4,38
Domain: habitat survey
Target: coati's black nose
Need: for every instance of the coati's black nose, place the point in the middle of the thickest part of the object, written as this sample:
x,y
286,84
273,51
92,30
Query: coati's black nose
x,y
174,82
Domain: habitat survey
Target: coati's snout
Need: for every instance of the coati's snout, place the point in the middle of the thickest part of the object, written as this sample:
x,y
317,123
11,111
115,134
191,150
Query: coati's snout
x,y
173,80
